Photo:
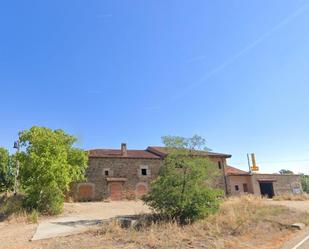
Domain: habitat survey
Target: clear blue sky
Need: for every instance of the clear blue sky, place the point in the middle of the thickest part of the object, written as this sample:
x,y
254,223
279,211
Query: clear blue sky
x,y
233,71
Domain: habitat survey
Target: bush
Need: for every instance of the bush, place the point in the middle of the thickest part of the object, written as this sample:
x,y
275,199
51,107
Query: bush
x,y
6,170
33,217
182,191
305,183
10,205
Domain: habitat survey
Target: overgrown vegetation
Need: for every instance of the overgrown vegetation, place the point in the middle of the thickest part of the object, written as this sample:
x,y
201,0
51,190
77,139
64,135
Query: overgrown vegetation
x,y
11,207
184,189
49,163
6,171
305,183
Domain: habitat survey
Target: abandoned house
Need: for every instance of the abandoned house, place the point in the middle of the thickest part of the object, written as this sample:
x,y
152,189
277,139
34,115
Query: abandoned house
x,y
242,182
123,173
126,174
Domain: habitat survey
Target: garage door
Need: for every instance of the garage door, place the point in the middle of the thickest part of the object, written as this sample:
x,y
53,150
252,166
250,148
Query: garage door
x,y
115,190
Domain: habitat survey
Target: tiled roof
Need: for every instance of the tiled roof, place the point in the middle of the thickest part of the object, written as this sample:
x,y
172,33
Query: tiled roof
x,y
163,151
110,153
229,170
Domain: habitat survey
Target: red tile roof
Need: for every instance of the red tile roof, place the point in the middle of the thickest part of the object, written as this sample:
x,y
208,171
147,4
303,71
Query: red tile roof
x,y
229,170
152,152
163,151
109,153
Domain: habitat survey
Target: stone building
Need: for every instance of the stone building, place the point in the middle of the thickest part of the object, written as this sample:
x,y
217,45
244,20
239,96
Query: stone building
x,y
118,174
126,174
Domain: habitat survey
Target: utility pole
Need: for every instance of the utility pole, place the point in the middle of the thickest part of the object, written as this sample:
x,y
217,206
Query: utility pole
x,y
17,147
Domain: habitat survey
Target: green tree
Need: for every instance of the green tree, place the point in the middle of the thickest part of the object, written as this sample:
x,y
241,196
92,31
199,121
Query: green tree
x,y
183,190
286,172
49,164
305,183
6,170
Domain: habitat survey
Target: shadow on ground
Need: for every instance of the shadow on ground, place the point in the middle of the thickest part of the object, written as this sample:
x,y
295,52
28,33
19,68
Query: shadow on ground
x,y
76,223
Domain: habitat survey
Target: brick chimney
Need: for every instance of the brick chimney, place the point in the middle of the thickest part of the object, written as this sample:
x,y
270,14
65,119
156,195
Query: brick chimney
x,y
124,149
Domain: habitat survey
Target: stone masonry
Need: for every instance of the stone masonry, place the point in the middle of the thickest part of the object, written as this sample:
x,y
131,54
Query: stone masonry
x,y
127,174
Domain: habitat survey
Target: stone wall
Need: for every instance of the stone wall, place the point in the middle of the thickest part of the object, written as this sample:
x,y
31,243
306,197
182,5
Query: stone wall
x,y
126,168
127,173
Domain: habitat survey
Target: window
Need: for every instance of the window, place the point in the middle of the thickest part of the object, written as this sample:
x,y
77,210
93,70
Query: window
x,y
236,187
143,172
245,186
219,165
107,172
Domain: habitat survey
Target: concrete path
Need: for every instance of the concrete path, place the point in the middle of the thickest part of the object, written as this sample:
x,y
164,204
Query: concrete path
x,y
78,217
63,226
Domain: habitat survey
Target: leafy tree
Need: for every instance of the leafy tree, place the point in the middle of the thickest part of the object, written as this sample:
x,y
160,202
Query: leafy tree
x,y
182,190
6,170
286,172
49,164
305,183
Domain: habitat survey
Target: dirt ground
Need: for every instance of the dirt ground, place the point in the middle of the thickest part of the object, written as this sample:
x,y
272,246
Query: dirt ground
x,y
299,205
16,232
103,210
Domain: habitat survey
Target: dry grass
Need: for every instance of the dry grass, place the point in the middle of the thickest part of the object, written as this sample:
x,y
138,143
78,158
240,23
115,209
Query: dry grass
x,y
11,209
292,197
241,222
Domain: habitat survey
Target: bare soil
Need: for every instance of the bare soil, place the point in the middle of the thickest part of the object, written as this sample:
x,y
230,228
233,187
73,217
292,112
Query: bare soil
x,y
16,232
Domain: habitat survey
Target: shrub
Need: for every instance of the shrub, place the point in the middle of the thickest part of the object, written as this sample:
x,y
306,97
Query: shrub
x,y
182,190
6,170
33,217
10,205
305,183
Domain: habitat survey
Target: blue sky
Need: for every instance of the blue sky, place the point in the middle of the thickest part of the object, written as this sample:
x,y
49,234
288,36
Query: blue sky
x,y
232,71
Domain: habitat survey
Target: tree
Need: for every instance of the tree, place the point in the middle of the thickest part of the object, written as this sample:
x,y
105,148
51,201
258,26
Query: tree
x,y
6,170
305,183
49,164
286,172
182,191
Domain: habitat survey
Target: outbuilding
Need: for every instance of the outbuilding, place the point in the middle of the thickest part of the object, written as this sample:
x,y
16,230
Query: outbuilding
x,y
242,182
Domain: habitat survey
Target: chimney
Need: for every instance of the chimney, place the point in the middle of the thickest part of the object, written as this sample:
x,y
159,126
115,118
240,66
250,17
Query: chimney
x,y
124,149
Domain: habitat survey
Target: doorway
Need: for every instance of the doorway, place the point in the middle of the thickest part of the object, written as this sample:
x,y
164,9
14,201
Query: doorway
x,y
115,191
267,189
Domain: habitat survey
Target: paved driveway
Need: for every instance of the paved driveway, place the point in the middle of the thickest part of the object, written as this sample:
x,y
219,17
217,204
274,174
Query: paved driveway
x,y
77,217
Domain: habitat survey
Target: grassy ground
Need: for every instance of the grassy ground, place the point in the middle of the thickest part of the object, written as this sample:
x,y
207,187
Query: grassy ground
x,y
242,222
